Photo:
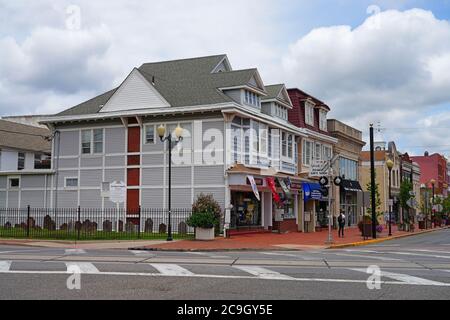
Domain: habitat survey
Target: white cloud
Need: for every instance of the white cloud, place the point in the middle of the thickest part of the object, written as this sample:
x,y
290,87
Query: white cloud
x,y
396,73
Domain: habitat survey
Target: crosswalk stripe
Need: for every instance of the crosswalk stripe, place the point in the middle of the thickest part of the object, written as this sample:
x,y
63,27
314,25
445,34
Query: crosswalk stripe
x,y
5,265
83,267
280,254
74,251
263,273
171,270
406,278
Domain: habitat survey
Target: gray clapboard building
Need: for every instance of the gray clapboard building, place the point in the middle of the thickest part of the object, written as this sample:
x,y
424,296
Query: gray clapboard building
x,y
235,131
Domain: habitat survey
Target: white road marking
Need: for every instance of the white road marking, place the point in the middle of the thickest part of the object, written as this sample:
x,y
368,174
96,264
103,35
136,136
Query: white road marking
x,y
419,254
85,267
280,254
171,270
74,252
263,273
363,251
368,257
4,266
407,278
233,277
141,253
208,255
431,251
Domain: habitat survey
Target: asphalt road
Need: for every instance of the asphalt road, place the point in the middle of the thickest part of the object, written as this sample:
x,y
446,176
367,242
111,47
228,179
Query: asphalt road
x,y
410,268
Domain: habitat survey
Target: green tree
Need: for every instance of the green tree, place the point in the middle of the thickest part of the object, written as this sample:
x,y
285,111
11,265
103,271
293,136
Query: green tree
x,y
446,205
405,188
206,203
377,198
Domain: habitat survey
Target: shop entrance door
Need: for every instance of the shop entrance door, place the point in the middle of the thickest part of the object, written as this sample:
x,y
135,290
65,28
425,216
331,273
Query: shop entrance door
x,y
246,211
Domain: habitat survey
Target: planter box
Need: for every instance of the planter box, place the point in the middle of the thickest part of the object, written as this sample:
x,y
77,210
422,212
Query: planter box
x,y
204,234
367,230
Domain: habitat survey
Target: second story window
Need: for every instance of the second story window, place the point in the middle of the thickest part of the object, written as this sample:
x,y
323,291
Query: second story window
x,y
307,152
309,113
21,161
252,99
323,120
290,146
150,134
92,141
284,144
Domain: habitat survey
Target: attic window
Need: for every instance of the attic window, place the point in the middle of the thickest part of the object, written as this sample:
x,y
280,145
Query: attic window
x,y
252,99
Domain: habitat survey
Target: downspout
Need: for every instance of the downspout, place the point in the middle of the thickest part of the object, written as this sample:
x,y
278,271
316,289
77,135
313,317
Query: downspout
x,y
57,138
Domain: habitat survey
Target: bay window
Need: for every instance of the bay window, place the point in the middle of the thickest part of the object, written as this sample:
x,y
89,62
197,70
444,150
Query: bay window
x,y
307,147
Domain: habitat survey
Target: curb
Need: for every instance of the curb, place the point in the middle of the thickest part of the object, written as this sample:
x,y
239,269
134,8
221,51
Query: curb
x,y
213,250
368,242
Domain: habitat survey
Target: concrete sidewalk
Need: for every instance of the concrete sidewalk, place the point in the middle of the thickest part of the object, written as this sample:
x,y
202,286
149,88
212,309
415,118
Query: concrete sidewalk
x,y
289,241
92,245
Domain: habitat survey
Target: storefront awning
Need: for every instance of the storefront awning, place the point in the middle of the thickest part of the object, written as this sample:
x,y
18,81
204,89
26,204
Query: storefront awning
x,y
312,191
352,186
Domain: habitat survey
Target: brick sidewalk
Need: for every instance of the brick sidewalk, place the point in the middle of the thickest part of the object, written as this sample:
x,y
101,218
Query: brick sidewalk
x,y
267,241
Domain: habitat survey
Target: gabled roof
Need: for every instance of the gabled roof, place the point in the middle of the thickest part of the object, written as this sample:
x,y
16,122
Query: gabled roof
x,y
186,82
91,106
279,93
23,137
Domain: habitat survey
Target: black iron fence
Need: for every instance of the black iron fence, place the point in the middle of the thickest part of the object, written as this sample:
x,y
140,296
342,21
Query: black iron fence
x,y
93,224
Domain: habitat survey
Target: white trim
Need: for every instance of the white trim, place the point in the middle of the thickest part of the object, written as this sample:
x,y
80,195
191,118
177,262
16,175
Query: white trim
x,y
227,63
73,188
145,112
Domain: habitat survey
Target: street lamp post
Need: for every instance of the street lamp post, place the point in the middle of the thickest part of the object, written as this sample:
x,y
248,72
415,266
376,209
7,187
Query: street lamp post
x,y
390,165
170,140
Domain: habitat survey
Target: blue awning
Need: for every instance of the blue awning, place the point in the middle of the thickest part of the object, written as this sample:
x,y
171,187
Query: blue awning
x,y
312,191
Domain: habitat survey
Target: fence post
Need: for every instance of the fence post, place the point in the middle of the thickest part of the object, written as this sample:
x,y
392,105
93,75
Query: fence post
x,y
139,224
79,223
28,221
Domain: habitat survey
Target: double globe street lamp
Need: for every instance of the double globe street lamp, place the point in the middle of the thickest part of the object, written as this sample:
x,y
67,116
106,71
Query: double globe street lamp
x,y
390,166
171,140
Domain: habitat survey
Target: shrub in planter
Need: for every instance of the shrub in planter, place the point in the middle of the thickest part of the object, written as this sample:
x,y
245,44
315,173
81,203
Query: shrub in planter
x,y
204,220
204,223
206,203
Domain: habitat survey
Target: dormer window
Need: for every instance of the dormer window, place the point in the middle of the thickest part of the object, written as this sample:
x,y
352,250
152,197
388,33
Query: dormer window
x,y
309,113
252,99
323,120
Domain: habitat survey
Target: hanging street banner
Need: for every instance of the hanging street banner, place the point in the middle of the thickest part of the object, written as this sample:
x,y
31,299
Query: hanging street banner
x,y
254,187
273,188
319,169
285,188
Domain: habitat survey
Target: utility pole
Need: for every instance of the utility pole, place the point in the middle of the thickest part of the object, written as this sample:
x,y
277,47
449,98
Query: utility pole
x,y
372,179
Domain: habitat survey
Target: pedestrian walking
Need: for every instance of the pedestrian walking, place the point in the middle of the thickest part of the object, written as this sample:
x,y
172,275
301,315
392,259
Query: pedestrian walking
x,y
341,221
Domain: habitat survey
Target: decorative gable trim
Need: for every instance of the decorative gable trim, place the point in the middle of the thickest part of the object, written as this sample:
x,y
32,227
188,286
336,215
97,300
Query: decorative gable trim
x,y
256,81
135,93
224,62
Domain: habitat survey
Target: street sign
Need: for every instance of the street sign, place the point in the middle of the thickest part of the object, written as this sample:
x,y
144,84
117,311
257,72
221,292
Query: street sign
x,y
412,193
323,181
319,169
117,192
438,208
391,202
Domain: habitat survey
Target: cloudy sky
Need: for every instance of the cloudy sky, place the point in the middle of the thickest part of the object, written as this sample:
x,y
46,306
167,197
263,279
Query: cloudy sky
x,y
373,61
